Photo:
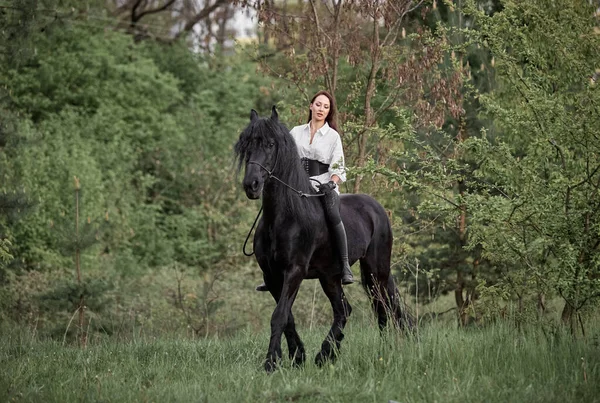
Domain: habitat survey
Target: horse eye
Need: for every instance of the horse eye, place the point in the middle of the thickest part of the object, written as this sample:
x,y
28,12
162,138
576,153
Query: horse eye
x,y
270,145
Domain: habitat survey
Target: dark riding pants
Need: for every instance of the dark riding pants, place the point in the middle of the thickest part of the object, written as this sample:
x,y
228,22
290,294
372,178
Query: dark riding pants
x,y
331,202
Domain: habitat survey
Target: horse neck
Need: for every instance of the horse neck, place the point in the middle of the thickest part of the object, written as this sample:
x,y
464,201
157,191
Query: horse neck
x,y
279,201
274,206
276,199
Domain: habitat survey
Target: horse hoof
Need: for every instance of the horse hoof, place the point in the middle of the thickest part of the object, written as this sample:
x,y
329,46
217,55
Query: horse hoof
x,y
322,358
346,280
270,366
298,359
262,287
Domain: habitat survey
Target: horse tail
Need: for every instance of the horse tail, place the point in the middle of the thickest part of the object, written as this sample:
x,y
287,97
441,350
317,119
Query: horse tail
x,y
377,278
401,314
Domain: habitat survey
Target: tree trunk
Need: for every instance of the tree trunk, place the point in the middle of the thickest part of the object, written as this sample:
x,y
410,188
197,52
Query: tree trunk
x,y
362,141
567,315
541,305
461,303
81,307
267,36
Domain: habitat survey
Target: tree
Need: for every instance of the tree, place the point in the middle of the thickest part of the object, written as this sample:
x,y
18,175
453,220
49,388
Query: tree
x,y
20,20
171,20
426,167
540,213
361,53
148,128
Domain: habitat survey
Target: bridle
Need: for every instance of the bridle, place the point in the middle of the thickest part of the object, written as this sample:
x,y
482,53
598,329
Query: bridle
x,y
298,192
271,176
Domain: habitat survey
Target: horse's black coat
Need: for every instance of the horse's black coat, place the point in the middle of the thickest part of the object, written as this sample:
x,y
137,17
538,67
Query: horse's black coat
x,y
292,242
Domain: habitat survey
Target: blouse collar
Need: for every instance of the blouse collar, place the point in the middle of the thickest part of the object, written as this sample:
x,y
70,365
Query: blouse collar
x,y
323,130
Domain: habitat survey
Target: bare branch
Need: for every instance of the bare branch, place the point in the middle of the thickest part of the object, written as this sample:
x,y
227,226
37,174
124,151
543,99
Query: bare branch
x,y
562,156
136,18
121,9
133,10
392,34
588,179
205,12
320,43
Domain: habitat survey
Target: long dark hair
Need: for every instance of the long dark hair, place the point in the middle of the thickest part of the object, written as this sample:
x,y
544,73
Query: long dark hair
x,y
330,119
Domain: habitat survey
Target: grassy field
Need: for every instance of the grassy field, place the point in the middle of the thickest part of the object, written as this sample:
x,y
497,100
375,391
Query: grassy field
x,y
444,364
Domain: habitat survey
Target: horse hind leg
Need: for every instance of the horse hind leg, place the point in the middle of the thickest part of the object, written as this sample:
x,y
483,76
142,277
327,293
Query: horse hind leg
x,y
341,311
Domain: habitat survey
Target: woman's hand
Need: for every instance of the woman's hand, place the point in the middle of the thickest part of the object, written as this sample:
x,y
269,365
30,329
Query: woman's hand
x,y
327,187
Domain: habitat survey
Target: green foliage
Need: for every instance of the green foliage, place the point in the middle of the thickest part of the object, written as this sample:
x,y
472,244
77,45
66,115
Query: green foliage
x,y
111,117
506,197
65,296
148,131
539,207
5,255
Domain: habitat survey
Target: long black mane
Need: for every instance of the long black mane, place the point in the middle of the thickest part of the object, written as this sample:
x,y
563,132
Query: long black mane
x,y
257,135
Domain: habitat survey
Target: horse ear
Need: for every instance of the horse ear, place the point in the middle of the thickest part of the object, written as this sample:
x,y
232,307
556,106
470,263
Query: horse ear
x,y
253,115
274,114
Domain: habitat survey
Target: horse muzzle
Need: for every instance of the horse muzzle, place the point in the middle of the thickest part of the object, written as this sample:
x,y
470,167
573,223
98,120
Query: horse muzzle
x,y
253,188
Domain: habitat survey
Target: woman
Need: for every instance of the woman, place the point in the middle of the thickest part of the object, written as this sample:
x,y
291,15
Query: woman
x,y
320,149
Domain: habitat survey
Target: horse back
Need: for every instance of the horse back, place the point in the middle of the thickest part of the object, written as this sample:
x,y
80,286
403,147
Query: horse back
x,y
366,223
368,232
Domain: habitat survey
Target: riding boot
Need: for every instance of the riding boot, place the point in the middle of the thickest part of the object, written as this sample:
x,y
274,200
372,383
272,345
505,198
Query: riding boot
x,y
262,287
339,233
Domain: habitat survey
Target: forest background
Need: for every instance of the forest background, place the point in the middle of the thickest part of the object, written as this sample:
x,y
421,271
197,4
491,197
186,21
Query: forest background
x,y
475,123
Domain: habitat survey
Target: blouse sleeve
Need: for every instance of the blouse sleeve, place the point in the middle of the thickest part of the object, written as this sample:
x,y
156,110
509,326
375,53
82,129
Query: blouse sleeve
x,y
336,163
295,133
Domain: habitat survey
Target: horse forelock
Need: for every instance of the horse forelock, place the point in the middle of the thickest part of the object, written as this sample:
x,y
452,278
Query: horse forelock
x,y
254,137
242,148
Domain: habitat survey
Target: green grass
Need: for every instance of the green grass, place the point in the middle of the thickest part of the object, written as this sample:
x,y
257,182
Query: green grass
x,y
493,364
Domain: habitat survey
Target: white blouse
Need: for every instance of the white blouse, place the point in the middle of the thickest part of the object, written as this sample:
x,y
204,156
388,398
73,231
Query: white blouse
x,y
326,148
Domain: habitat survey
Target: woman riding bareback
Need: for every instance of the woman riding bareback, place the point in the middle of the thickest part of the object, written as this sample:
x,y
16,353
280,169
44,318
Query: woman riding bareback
x,y
320,149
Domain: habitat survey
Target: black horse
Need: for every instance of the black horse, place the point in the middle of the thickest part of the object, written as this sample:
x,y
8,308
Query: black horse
x,y
292,241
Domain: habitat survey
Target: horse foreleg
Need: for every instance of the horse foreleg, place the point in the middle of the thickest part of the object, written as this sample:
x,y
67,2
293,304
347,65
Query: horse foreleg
x,y
296,349
280,320
295,345
341,311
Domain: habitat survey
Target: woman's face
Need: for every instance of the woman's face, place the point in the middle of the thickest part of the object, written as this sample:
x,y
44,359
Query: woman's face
x,y
320,108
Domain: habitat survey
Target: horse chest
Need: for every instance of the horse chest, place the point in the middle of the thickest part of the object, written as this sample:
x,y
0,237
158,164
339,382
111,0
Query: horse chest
x,y
288,244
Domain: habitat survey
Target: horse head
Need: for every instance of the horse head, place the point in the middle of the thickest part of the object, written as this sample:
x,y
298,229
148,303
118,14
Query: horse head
x,y
257,150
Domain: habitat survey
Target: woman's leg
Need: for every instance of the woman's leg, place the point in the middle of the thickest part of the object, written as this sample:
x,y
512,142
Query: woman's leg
x,y
331,201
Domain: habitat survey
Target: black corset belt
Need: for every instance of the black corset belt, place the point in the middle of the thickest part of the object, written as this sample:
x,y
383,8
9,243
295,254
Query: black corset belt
x,y
314,167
